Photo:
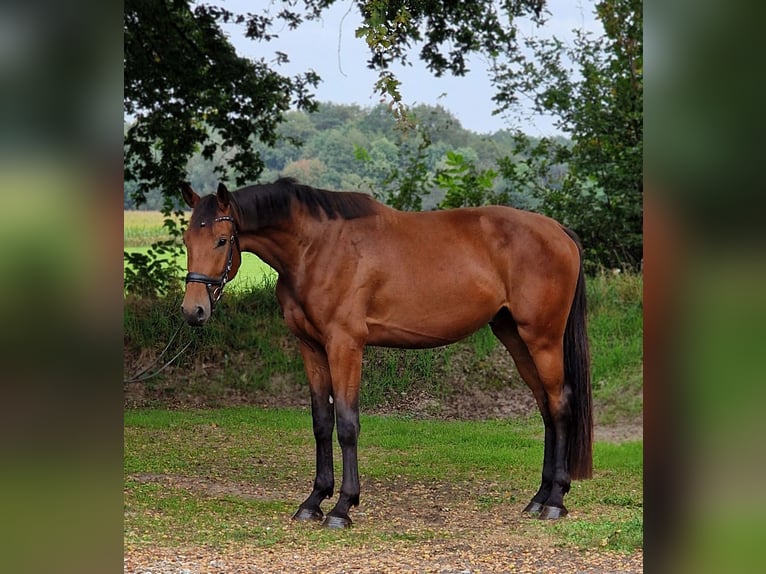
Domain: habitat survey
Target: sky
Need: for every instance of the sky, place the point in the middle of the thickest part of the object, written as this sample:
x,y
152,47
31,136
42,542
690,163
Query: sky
x,y
330,48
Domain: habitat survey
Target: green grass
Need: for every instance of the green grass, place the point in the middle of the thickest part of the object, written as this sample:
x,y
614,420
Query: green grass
x,y
142,228
616,330
251,274
267,455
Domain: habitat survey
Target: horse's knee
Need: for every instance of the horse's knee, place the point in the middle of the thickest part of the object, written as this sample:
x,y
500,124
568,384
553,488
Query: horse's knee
x,y
348,430
323,431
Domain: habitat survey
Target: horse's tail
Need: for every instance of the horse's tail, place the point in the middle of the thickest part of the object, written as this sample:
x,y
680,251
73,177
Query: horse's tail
x,y
577,376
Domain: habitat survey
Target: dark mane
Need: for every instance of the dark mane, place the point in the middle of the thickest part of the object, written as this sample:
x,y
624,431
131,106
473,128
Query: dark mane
x,y
267,204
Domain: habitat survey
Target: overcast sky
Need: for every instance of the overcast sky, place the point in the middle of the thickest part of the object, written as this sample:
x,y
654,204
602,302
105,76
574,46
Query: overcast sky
x,y
330,48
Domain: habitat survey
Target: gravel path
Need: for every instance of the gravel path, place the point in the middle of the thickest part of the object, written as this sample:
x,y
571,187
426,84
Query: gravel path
x,y
481,553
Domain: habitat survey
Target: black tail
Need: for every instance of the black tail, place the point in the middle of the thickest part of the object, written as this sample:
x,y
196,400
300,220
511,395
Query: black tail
x,y
577,375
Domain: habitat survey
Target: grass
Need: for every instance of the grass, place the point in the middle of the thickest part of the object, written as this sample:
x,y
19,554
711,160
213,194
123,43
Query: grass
x,y
251,274
261,463
615,330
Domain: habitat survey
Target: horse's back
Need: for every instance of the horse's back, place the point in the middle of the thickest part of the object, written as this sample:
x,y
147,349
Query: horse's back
x,y
469,239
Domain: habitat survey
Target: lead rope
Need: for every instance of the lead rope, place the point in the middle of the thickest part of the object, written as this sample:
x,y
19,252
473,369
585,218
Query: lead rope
x,y
144,374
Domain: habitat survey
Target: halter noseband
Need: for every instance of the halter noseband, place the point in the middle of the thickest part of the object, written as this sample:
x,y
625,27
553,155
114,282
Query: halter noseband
x,y
218,284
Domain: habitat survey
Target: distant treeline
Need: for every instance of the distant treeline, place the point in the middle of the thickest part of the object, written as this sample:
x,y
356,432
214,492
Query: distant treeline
x,y
353,148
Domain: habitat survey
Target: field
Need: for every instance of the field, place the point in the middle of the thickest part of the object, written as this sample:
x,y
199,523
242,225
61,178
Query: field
x,y
219,448
142,228
444,494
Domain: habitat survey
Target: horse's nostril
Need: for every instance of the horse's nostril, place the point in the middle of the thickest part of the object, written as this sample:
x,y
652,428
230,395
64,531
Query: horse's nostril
x,y
195,315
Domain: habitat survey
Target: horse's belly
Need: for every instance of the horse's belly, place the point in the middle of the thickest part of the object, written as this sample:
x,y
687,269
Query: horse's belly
x,y
422,331
432,301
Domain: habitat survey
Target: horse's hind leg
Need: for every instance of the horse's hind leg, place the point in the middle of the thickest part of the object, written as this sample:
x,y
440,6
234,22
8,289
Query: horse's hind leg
x,y
548,501
549,359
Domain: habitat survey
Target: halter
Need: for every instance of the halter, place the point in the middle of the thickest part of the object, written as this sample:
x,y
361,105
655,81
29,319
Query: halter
x,y
218,284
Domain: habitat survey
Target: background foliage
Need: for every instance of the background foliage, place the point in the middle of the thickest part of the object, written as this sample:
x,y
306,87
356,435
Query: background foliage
x,y
231,118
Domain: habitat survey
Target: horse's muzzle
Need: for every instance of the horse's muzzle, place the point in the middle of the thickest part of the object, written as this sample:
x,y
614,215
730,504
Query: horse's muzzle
x,y
195,315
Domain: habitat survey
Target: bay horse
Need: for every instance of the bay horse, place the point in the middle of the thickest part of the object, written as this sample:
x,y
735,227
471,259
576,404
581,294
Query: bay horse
x,y
354,272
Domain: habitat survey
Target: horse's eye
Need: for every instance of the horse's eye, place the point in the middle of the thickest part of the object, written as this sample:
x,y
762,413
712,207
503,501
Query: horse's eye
x,y
221,241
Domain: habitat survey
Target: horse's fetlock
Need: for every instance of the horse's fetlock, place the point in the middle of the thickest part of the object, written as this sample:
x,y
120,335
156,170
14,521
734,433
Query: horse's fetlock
x,y
324,489
353,500
563,481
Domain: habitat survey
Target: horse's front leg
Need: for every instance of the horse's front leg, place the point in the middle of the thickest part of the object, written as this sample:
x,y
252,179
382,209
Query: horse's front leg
x,y
346,369
323,415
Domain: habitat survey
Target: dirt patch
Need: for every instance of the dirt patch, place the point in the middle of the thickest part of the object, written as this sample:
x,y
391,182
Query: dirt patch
x,y
418,527
479,553
482,554
210,488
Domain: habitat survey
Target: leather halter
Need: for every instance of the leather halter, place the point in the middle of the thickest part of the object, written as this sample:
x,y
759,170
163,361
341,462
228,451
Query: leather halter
x,y
215,285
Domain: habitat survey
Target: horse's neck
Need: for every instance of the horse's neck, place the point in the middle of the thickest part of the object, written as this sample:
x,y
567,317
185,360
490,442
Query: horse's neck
x,y
280,246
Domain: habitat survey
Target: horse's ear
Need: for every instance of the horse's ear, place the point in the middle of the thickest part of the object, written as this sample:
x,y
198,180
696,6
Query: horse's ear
x,y
190,197
223,196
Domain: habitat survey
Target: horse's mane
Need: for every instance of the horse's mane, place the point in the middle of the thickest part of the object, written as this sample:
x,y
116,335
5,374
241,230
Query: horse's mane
x,y
267,204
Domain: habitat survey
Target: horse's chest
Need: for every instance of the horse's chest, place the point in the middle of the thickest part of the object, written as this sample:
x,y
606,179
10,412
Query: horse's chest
x,y
295,316
311,313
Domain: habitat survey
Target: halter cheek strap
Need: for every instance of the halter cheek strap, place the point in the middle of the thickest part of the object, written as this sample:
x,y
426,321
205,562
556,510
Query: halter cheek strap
x,y
215,285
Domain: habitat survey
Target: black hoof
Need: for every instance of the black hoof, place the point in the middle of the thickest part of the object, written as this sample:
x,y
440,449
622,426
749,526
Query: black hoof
x,y
333,521
307,514
533,508
552,513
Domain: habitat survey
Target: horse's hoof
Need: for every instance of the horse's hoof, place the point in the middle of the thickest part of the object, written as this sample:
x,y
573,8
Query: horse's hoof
x,y
308,514
552,513
533,508
333,521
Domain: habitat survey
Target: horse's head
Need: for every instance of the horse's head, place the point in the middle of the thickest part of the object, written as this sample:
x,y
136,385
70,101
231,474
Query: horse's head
x,y
213,255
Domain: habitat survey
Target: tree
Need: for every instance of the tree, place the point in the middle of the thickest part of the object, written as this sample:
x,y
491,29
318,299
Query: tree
x,y
308,171
464,185
186,89
297,127
335,149
595,90
377,121
184,82
449,31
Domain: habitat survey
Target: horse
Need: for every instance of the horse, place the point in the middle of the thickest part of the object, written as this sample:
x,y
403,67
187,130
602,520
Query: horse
x,y
354,272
